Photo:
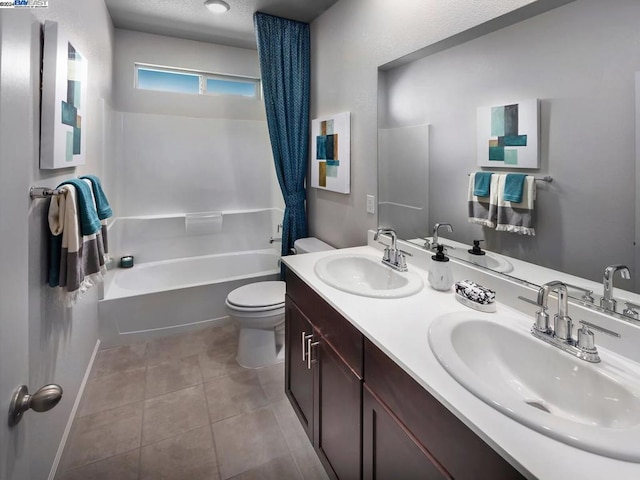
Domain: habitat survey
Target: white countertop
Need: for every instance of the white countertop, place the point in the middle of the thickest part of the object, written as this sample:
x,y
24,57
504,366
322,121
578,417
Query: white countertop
x,y
400,328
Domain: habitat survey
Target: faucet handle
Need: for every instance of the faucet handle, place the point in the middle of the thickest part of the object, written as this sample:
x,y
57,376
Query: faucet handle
x,y
588,325
586,341
631,310
542,317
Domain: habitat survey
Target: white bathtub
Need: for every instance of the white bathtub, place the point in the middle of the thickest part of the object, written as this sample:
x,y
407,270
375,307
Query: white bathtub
x,y
171,295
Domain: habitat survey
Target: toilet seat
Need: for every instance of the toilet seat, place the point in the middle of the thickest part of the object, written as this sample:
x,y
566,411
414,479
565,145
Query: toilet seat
x,y
257,297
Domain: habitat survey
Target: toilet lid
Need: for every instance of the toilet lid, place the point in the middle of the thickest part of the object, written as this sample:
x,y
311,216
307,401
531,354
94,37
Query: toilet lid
x,y
259,294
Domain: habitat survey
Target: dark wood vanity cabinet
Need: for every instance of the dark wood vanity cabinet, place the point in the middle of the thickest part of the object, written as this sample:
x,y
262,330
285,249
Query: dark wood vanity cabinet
x,y
390,450
323,378
436,440
366,417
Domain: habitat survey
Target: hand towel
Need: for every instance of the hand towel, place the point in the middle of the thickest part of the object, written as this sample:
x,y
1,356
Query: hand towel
x,y
517,217
513,187
102,204
89,221
77,260
483,210
482,184
102,208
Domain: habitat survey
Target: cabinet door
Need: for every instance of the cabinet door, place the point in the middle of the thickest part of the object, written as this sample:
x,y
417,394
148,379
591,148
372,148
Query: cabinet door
x,y
299,379
390,452
338,413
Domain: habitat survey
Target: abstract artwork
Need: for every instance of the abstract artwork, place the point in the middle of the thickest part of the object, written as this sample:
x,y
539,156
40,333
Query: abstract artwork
x,y
508,135
330,152
64,102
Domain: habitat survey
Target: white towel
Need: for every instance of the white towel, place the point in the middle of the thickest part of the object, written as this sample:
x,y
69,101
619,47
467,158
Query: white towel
x,y
483,210
516,217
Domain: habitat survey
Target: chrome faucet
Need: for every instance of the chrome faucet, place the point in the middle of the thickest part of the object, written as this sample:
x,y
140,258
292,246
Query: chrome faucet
x,y
392,257
561,335
562,324
607,301
433,244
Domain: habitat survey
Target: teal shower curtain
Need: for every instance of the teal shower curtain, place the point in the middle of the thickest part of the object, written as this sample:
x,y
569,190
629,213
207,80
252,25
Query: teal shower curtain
x,y
284,51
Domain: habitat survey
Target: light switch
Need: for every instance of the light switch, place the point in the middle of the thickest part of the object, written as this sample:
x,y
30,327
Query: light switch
x,y
371,204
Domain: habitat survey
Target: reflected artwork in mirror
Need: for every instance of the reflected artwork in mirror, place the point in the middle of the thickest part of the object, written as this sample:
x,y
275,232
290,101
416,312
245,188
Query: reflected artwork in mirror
x,y
586,219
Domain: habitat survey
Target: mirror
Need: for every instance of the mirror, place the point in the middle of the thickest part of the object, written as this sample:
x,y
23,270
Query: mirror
x,y
580,60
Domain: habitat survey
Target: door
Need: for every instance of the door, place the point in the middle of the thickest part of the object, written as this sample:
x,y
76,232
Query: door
x,y
338,412
299,378
389,450
16,161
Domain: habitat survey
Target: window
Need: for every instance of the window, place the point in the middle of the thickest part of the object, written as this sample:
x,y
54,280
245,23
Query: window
x,y
167,79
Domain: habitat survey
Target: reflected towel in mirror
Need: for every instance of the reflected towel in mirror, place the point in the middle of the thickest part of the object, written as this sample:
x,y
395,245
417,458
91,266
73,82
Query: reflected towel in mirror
x,y
483,210
516,217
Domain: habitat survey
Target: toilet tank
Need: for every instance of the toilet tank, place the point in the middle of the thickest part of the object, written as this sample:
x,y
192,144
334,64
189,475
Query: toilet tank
x,y
310,244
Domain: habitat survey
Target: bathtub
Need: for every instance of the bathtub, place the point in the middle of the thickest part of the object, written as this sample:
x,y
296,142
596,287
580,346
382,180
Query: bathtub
x,y
180,281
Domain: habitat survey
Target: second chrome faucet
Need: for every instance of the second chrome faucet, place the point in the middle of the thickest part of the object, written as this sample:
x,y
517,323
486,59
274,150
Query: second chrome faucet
x,y
561,334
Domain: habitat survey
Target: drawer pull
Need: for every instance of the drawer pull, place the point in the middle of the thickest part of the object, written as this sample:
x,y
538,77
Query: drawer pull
x,y
310,345
305,337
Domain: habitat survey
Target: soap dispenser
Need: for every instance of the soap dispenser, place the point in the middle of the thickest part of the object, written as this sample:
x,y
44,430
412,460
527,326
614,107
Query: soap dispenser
x,y
476,250
440,274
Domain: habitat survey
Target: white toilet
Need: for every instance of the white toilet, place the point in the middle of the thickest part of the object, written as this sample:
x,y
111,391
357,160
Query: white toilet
x,y
257,309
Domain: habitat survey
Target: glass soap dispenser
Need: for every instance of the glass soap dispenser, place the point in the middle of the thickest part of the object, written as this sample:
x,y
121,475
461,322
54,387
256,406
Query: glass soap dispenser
x,y
440,273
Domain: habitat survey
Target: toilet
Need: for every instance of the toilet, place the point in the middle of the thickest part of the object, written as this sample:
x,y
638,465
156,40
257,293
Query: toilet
x,y
257,310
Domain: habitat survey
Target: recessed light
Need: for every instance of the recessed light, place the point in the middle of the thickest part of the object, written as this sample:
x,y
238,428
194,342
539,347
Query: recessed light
x,y
217,6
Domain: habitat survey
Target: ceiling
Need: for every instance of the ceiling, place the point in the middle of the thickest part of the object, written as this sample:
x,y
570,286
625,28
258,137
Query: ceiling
x,y
190,19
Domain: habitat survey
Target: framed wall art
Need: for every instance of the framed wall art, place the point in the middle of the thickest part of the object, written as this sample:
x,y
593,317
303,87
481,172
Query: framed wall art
x,y
508,135
330,152
64,101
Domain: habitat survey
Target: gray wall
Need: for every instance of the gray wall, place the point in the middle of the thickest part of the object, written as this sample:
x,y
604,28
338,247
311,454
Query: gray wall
x,y
580,61
180,153
61,340
348,43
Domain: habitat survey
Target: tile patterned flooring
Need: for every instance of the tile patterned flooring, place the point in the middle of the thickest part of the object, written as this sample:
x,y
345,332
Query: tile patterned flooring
x,y
180,407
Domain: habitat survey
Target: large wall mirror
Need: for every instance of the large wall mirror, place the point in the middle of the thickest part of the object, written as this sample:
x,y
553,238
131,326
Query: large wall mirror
x,y
581,61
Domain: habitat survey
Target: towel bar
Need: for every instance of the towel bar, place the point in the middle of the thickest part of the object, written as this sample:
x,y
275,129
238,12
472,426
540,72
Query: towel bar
x,y
43,192
547,178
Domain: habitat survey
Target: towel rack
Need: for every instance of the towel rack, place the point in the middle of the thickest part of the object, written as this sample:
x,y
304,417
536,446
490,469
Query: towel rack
x,y
546,178
43,192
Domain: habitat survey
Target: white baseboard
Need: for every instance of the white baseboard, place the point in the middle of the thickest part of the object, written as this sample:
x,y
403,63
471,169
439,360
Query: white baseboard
x,y
72,415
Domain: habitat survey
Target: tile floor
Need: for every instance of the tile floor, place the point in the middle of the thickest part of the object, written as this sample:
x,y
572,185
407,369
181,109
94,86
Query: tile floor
x,y
180,407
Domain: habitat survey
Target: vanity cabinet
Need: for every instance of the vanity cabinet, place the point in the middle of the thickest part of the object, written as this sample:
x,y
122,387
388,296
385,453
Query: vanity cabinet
x,y
323,378
365,416
438,445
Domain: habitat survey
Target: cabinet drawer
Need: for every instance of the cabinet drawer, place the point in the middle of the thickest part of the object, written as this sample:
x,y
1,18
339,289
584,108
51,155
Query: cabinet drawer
x,y
343,337
462,453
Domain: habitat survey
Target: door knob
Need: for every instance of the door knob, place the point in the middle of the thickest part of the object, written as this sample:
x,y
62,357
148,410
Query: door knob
x,y
43,400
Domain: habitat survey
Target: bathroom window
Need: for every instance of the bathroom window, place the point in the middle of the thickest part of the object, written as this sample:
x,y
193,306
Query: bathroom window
x,y
167,79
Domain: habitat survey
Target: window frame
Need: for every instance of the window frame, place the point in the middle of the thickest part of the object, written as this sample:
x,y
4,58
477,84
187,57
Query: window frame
x,y
203,77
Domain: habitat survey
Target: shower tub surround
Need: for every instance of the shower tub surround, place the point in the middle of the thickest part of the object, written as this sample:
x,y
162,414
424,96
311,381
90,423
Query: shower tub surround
x,y
181,279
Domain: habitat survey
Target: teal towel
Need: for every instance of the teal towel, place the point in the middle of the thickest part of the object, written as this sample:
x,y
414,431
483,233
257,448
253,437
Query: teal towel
x,y
482,184
513,186
102,204
89,221
55,249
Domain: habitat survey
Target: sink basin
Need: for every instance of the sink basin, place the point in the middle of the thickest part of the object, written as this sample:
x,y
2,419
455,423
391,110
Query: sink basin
x,y
595,407
365,275
497,264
